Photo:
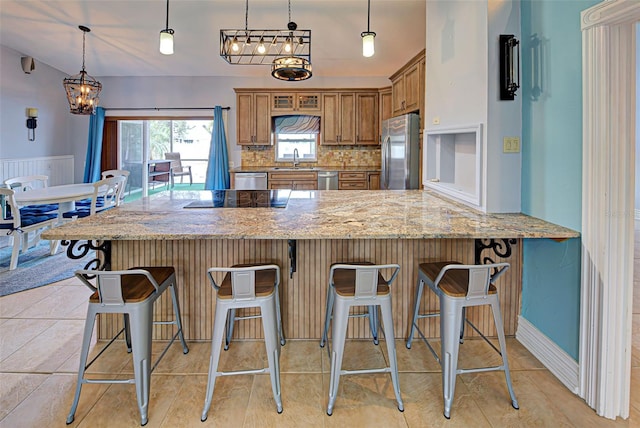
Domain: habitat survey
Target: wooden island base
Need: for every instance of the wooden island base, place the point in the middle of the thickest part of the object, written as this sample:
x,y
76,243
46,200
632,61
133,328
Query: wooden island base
x,y
303,296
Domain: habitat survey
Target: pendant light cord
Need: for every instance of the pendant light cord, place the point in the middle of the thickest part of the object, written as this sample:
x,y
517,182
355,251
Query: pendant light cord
x,y
368,15
84,33
289,10
167,26
246,15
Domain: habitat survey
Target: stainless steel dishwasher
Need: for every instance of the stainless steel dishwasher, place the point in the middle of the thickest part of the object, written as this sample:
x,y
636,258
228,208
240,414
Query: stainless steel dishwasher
x,y
328,180
250,181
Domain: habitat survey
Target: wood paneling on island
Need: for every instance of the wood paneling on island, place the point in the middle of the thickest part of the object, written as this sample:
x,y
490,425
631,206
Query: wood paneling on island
x,y
303,297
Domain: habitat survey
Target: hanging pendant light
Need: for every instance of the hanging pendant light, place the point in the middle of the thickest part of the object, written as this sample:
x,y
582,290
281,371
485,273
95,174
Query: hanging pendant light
x,y
166,37
291,67
368,37
82,90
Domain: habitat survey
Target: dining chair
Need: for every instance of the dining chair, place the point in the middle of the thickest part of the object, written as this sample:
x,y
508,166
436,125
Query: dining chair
x,y
107,194
458,287
115,173
30,182
177,168
18,225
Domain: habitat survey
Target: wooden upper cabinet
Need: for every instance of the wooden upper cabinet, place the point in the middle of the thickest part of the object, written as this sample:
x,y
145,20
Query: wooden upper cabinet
x,y
338,118
253,121
300,102
407,87
386,101
367,118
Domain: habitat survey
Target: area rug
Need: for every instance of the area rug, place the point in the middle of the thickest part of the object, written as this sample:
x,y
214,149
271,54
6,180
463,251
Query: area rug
x,y
37,268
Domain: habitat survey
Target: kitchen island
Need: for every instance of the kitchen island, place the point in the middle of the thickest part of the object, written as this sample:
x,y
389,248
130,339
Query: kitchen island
x,y
315,229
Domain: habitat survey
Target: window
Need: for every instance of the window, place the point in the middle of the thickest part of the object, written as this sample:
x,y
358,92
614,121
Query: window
x,y
296,132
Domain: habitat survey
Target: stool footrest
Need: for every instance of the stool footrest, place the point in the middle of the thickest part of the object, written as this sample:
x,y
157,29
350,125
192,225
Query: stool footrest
x,y
481,369
426,341
243,372
365,371
121,381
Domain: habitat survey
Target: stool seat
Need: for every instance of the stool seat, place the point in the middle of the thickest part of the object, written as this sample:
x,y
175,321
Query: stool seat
x,y
458,287
454,283
131,293
344,282
265,283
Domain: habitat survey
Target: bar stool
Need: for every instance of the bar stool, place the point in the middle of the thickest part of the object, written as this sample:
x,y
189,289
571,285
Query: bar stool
x,y
132,293
232,318
248,286
459,286
359,285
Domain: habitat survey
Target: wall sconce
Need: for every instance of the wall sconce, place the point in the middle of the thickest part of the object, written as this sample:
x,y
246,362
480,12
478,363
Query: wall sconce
x,y
32,114
509,66
28,64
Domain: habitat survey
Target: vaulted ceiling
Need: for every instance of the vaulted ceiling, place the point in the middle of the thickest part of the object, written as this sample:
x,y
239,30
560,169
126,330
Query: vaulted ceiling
x,y
124,35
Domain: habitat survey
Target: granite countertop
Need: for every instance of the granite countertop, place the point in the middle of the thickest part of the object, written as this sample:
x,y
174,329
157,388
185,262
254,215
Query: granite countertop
x,y
326,214
288,168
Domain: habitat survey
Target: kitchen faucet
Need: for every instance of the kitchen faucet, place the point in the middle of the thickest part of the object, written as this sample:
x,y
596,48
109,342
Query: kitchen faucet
x,y
296,157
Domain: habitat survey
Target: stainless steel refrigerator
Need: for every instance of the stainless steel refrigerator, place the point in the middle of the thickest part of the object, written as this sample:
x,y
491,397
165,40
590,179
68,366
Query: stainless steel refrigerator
x,y
400,152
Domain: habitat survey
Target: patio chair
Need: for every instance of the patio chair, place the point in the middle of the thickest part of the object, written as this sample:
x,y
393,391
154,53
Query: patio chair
x,y
177,169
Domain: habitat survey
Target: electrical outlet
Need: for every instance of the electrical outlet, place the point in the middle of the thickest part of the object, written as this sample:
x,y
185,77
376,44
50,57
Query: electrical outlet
x,y
436,120
511,145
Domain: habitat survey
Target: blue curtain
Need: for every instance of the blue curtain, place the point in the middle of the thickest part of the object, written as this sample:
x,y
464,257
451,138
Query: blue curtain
x,y
94,147
217,177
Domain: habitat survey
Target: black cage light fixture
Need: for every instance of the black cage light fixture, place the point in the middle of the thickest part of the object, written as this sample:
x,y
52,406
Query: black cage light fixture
x,y
287,51
509,66
368,37
82,90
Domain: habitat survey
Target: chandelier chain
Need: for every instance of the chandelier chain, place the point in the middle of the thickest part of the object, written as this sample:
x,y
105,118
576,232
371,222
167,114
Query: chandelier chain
x,y
289,10
83,38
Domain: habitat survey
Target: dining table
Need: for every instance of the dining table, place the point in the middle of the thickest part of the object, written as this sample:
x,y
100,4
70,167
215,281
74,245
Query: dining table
x,y
64,195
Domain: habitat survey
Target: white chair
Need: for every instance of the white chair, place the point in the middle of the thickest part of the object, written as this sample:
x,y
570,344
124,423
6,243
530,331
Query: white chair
x,y
458,287
360,285
115,173
107,193
27,182
18,226
245,287
177,169
133,293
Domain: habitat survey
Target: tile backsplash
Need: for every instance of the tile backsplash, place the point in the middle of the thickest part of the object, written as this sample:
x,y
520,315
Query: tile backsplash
x,y
334,156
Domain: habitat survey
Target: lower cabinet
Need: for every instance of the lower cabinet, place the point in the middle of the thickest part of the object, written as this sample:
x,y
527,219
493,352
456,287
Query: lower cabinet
x,y
295,180
374,180
352,181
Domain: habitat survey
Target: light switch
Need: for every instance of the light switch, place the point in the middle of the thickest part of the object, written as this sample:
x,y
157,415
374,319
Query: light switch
x,y
511,145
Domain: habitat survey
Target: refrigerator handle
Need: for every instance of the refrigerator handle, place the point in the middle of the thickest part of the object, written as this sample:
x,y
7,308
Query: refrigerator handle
x,y
386,147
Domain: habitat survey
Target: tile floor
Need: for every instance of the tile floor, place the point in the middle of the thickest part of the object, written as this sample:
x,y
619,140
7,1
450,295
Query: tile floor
x,y
40,335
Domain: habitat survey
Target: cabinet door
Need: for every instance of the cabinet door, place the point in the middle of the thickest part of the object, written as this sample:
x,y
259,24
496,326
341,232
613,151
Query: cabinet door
x,y
374,181
397,89
244,119
386,104
330,119
305,185
367,118
280,184
284,102
347,118
262,117
412,88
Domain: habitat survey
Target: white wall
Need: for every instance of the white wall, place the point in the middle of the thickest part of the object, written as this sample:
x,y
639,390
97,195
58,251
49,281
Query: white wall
x,y
56,132
186,92
462,87
637,119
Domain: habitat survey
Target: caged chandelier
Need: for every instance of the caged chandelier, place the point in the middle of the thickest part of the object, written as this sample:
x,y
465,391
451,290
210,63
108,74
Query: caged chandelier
x,y
82,89
287,51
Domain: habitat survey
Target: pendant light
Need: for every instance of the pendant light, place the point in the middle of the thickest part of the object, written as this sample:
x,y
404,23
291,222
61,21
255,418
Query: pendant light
x,y
368,37
166,37
82,90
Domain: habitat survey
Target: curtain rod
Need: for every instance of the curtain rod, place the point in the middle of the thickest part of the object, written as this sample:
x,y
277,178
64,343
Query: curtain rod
x,y
164,108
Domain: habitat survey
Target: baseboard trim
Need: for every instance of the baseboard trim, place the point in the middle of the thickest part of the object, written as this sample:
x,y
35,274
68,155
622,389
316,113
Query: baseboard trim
x,y
565,368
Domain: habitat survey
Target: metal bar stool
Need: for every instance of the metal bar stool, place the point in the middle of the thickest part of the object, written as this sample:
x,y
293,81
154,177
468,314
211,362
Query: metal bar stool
x,y
359,285
132,293
232,318
460,286
249,286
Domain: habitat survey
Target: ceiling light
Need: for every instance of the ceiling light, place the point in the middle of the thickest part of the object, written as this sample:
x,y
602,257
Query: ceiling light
x,y
82,90
166,37
291,68
236,48
368,37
